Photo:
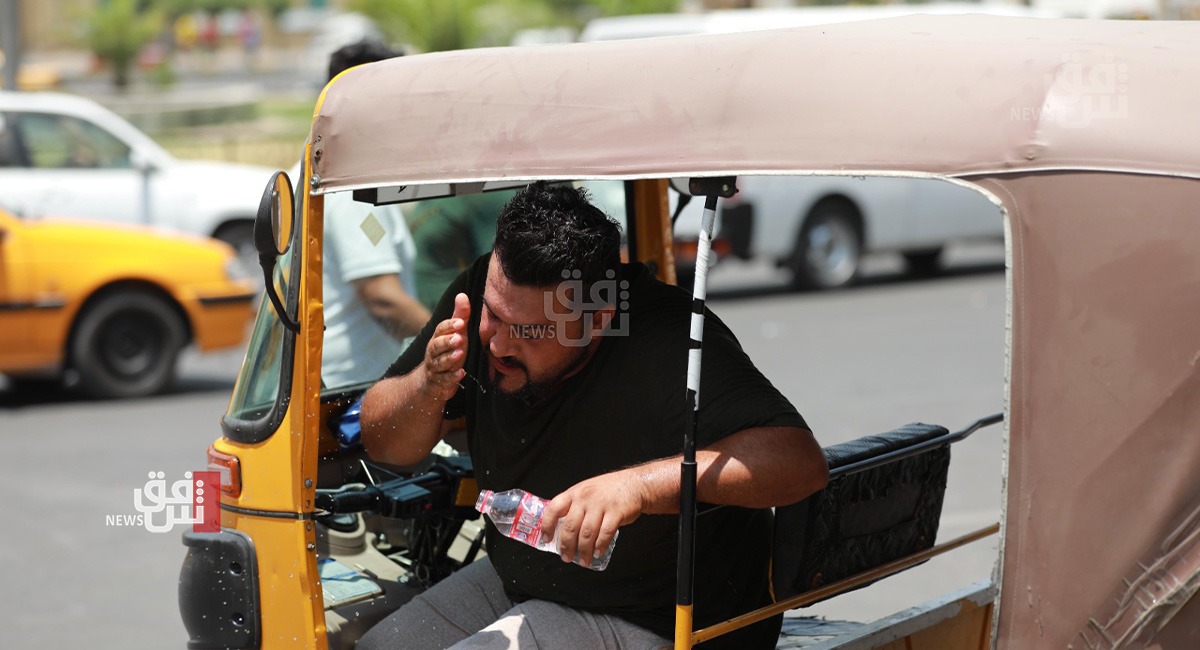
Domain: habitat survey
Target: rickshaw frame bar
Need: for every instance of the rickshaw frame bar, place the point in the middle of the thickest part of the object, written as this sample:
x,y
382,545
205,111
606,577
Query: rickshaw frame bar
x,y
834,588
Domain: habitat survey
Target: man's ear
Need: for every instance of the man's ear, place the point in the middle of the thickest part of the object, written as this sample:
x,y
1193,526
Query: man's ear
x,y
602,319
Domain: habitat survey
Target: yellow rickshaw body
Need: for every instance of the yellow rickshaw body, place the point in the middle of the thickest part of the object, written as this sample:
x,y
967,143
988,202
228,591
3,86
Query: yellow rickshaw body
x,y
1099,193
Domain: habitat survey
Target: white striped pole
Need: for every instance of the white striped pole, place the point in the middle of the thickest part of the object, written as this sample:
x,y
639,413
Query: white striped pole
x,y
685,565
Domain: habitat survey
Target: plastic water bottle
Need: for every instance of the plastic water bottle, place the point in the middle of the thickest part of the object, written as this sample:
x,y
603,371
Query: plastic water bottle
x,y
517,514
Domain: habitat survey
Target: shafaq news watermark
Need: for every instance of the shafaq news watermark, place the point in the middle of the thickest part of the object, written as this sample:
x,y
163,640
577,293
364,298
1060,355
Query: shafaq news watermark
x,y
1080,91
195,499
608,297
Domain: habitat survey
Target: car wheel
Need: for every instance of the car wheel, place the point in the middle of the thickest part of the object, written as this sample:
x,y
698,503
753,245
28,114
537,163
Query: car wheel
x,y
126,345
240,235
829,249
924,263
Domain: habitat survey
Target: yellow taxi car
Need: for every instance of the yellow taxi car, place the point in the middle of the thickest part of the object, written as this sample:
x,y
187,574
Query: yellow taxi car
x,y
107,308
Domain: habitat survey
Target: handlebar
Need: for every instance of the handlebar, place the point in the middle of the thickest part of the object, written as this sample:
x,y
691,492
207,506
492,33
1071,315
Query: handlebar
x,y
345,500
431,492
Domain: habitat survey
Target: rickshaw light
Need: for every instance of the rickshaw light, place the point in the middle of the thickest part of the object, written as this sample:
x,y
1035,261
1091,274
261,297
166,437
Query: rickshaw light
x,y
230,469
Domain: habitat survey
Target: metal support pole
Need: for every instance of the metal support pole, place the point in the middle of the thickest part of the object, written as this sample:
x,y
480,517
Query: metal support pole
x,y
686,560
10,42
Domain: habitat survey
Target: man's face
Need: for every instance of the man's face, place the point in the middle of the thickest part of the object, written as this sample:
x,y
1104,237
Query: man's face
x,y
522,342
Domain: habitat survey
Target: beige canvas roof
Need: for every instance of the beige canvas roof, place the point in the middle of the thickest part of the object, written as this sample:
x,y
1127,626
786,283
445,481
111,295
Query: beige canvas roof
x,y
953,95
1086,133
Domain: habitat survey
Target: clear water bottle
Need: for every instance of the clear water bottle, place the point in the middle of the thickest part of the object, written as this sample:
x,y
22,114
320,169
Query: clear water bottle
x,y
518,514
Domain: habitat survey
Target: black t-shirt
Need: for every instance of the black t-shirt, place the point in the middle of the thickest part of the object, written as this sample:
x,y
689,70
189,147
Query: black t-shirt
x,y
625,407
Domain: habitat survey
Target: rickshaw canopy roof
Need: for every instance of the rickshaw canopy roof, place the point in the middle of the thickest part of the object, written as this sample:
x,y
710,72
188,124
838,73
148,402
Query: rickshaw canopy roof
x,y
1085,131
947,95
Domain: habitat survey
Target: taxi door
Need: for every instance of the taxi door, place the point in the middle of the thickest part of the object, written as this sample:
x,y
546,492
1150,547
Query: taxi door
x,y
16,300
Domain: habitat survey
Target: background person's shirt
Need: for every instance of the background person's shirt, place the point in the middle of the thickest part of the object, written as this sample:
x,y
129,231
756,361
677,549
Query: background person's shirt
x,y
361,241
624,408
449,234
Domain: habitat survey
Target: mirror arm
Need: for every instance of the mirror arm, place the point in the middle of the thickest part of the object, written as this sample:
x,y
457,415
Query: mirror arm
x,y
267,262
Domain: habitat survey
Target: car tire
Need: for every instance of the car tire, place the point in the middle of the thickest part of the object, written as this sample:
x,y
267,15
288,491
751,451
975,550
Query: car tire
x,y
829,249
126,344
924,263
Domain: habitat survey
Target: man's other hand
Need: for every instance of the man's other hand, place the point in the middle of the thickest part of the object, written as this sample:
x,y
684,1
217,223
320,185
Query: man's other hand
x,y
447,352
589,513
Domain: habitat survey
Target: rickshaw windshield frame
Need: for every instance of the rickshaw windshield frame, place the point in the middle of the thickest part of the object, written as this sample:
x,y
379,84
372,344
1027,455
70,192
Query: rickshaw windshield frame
x,y
263,390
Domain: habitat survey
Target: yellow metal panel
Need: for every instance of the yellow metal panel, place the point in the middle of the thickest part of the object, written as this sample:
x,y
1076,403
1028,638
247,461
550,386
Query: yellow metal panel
x,y
219,326
286,584
280,473
683,627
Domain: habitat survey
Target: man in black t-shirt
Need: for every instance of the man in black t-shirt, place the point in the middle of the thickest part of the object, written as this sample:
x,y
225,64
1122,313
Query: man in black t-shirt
x,y
569,368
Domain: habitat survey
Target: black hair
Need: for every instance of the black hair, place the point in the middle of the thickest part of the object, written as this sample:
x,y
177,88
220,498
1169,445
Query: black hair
x,y
365,51
549,233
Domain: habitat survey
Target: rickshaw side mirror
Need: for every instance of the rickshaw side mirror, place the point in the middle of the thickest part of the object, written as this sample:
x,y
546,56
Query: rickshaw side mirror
x,y
273,223
273,235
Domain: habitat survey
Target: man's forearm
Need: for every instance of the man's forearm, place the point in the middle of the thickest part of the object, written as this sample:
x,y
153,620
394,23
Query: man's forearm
x,y
755,468
401,421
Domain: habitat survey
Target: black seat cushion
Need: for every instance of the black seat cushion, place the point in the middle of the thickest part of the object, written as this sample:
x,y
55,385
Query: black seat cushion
x,y
865,519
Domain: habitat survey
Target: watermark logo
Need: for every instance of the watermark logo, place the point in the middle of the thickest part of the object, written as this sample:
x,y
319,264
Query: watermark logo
x,y
1080,92
608,297
193,500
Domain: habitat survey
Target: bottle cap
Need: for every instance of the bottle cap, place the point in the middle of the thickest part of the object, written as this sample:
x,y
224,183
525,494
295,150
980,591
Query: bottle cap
x,y
481,502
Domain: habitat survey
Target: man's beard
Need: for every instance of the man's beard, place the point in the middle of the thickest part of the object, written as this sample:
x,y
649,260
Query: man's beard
x,y
532,392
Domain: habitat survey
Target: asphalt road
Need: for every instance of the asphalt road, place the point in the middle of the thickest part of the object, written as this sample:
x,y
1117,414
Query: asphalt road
x,y
892,351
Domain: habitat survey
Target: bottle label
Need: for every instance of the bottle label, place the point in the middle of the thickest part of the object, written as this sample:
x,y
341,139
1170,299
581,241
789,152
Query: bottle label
x,y
527,524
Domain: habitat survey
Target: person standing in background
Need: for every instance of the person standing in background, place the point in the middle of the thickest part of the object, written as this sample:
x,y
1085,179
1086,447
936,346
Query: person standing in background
x,y
369,283
451,233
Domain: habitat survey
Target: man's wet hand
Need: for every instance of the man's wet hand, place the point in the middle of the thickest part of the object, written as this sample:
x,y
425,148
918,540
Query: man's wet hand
x,y
589,513
447,352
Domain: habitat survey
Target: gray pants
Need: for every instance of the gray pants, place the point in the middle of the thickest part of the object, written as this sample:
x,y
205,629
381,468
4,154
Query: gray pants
x,y
469,610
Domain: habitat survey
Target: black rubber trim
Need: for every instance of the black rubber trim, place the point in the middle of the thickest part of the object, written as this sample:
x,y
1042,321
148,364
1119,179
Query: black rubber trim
x,y
934,436
27,306
219,599
226,300
271,514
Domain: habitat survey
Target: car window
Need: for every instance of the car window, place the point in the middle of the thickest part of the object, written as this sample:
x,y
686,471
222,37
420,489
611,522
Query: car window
x,y
60,141
10,152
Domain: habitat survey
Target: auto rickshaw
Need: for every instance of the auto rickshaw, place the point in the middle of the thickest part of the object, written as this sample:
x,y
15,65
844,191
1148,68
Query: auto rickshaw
x,y
1082,131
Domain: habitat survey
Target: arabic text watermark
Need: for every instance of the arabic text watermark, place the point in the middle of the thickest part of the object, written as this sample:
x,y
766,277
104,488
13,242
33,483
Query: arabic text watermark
x,y
602,310
194,500
1081,91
